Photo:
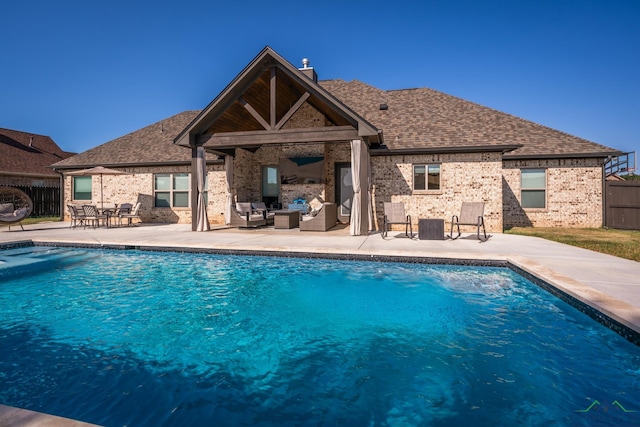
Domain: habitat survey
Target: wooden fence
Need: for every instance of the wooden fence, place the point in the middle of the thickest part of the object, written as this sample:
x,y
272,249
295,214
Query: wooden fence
x,y
622,205
46,200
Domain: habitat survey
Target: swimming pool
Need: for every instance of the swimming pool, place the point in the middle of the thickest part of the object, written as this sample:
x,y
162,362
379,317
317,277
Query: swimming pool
x,y
167,339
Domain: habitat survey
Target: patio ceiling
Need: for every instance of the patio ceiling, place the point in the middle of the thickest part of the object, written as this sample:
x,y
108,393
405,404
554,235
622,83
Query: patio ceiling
x,y
257,107
288,92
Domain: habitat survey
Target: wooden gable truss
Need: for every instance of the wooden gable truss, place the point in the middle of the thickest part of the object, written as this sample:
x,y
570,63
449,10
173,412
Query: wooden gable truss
x,y
257,107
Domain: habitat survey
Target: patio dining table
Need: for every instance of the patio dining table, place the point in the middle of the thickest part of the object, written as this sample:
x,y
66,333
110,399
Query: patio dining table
x,y
109,211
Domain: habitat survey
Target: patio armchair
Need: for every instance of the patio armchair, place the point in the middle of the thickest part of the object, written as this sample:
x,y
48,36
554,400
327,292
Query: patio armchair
x,y
261,207
471,213
130,215
394,213
243,216
15,205
76,214
124,208
321,220
92,216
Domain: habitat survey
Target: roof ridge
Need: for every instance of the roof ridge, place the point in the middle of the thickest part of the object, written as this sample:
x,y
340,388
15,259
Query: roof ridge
x,y
26,133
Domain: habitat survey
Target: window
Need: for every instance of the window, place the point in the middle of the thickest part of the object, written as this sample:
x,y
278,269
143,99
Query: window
x,y
270,185
270,181
533,188
426,177
171,190
81,188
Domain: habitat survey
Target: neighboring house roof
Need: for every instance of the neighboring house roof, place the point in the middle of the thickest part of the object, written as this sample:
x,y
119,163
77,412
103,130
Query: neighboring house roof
x,y
427,119
150,145
28,154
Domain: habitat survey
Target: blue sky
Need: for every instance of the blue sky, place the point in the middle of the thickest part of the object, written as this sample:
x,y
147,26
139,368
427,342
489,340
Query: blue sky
x,y
86,72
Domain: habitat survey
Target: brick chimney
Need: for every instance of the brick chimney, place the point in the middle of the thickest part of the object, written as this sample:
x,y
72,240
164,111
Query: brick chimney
x,y
308,71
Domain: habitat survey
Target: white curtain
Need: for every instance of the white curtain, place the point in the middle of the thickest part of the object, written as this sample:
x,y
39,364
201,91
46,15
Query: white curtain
x,y
359,175
228,168
201,173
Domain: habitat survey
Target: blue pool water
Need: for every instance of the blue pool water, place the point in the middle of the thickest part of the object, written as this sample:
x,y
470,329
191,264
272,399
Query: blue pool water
x,y
129,338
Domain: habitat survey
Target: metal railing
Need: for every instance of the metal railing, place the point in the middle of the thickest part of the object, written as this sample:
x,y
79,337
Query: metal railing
x,y
621,165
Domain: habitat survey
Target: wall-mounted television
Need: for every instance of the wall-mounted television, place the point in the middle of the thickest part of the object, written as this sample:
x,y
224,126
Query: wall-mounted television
x,y
302,170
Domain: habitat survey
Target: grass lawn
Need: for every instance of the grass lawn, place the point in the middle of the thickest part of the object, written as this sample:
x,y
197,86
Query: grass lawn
x,y
32,220
41,219
620,243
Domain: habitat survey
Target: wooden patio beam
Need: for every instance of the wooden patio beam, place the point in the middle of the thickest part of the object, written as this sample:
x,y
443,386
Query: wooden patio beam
x,y
272,103
254,113
287,136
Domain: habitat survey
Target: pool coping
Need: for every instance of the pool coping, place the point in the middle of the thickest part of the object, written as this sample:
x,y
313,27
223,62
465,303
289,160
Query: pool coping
x,y
17,417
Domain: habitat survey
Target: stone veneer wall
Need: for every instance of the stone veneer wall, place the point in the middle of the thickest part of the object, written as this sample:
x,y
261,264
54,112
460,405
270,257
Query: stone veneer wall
x,y
138,187
248,166
470,177
217,194
574,194
248,172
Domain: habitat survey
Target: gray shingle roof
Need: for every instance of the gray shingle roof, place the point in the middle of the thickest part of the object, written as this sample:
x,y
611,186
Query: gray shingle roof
x,y
149,145
415,119
426,118
28,153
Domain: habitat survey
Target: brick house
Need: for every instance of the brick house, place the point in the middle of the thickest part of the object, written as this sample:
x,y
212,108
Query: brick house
x,y
429,150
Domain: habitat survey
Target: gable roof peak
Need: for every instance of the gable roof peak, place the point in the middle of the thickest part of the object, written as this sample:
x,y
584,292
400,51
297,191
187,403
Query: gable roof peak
x,y
254,90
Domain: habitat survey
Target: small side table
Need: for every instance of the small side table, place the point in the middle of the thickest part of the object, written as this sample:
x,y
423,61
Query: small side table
x,y
430,229
286,219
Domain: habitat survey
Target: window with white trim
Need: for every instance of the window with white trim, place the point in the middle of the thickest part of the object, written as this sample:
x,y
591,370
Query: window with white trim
x,y
171,190
426,177
533,188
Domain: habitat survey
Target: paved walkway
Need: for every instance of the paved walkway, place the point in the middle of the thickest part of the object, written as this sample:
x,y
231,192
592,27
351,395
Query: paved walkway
x,y
607,283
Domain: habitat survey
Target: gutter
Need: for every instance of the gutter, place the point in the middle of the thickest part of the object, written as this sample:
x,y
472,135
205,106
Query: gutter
x,y
604,154
133,165
443,150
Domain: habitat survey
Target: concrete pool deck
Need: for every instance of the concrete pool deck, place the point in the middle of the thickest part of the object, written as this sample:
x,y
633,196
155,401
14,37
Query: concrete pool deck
x,y
606,283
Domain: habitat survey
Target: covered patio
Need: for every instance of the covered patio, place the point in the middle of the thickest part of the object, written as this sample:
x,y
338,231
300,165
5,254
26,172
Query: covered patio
x,y
273,113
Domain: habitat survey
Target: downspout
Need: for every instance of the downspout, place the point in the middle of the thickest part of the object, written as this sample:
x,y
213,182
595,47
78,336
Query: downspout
x,y
61,193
